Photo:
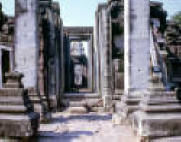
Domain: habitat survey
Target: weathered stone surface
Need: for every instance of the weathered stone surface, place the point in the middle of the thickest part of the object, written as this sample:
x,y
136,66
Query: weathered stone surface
x,y
137,65
26,55
157,124
167,139
11,92
159,115
18,125
17,118
79,110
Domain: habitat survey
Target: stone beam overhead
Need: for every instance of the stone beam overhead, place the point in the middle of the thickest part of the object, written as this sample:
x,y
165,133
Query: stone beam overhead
x,y
78,30
137,44
26,43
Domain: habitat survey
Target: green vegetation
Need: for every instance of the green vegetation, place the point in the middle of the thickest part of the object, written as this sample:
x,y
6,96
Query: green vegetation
x,y
177,18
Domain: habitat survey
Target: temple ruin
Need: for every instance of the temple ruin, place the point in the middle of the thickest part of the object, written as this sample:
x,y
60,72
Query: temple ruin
x,y
128,64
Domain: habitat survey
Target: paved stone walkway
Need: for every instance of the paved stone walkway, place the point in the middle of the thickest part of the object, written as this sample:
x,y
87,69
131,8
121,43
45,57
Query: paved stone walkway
x,y
91,127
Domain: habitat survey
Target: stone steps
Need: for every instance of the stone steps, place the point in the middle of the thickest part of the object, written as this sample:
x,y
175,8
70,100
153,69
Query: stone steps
x,y
8,100
157,124
168,139
81,95
11,92
17,118
13,109
163,102
116,97
18,125
81,102
163,108
159,115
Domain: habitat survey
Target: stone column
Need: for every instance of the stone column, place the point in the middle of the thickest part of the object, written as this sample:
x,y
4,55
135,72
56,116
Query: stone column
x,y
26,41
89,66
136,56
96,55
106,69
62,71
11,59
1,81
137,39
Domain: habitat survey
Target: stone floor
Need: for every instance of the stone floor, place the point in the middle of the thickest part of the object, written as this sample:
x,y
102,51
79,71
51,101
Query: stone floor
x,y
91,127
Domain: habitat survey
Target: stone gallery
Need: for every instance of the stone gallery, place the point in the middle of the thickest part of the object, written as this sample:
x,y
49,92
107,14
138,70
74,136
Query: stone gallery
x,y
128,64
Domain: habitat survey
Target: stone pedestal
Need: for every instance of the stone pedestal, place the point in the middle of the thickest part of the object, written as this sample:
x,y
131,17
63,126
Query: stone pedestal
x,y
17,118
127,105
159,116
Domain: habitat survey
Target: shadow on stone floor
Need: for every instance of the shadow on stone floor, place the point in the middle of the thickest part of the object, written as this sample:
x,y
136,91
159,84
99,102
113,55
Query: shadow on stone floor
x,y
87,117
68,136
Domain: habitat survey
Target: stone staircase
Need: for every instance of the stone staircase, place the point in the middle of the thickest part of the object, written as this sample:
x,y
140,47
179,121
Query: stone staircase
x,y
159,116
82,102
17,116
40,104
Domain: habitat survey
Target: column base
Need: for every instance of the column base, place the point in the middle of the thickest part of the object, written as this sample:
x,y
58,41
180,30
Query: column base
x,y
159,116
107,103
124,109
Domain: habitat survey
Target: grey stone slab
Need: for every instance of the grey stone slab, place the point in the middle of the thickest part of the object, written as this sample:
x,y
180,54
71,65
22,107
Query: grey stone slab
x,y
11,92
155,125
13,109
18,125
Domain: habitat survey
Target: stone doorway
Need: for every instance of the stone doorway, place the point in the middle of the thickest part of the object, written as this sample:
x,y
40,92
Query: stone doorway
x,y
79,76
5,64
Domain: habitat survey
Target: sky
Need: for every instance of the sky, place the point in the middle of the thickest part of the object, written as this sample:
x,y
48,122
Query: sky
x,y
82,12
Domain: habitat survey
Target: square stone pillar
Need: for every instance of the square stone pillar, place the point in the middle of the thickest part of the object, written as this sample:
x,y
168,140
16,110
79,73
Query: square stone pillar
x,y
96,55
137,43
136,56
26,41
105,56
90,64
1,81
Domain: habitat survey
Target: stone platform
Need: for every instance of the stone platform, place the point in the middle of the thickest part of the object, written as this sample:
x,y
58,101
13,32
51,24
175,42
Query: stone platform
x,y
159,116
82,102
17,118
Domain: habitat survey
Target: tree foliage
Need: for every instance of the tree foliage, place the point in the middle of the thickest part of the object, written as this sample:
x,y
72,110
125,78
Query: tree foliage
x,y
177,18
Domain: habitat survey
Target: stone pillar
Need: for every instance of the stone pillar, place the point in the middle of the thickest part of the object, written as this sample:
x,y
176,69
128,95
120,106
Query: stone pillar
x,y
62,71
96,55
11,59
137,39
136,56
26,41
90,65
52,61
106,67
1,81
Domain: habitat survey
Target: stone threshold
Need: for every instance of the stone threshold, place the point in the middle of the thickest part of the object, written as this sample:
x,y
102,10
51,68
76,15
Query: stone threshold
x,y
81,95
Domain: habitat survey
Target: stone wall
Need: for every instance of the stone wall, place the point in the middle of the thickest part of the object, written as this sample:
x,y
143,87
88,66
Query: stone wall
x,y
51,71
6,45
173,44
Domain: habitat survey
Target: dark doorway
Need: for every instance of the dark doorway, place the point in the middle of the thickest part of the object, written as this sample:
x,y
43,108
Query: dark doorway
x,y
5,64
